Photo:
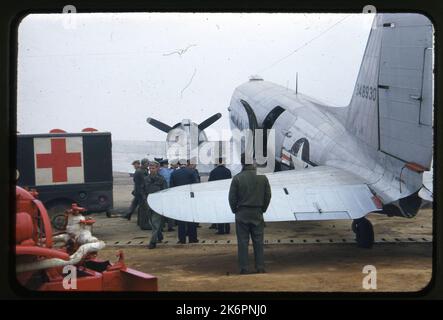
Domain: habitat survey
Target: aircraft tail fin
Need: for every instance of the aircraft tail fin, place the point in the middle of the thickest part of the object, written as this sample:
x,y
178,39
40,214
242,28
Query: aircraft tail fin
x,y
392,104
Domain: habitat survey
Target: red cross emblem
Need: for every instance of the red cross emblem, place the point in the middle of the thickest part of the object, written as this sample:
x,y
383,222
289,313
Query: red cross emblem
x,y
59,160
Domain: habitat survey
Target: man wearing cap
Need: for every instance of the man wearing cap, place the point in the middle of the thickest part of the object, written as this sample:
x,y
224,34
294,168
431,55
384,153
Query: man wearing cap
x,y
134,202
166,172
154,182
249,198
140,190
182,176
220,172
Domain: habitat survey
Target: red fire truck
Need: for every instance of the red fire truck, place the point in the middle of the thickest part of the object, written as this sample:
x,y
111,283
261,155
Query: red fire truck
x,y
66,168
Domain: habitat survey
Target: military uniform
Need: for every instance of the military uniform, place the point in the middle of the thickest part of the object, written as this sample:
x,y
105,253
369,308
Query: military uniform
x,y
154,183
135,201
166,173
197,175
249,198
219,173
143,219
179,177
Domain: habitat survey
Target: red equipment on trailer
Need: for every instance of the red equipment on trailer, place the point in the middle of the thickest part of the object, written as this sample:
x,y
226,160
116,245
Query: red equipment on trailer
x,y
40,263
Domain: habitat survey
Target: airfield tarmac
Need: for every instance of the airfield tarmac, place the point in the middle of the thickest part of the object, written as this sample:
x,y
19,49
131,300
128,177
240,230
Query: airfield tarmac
x,y
299,256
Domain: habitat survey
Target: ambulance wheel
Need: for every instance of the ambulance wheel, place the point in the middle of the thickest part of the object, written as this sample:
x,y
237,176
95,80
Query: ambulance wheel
x,y
364,232
56,212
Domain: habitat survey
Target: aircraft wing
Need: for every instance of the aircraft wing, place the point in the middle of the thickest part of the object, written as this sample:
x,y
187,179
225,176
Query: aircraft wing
x,y
318,193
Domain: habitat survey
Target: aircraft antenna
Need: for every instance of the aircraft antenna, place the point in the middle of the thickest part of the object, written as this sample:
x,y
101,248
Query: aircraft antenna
x,y
296,83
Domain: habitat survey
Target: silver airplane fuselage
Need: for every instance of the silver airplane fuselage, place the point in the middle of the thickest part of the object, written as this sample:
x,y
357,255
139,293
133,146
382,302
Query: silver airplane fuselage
x,y
325,141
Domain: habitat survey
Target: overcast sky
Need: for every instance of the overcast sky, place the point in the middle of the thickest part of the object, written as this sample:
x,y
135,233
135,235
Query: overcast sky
x,y
112,71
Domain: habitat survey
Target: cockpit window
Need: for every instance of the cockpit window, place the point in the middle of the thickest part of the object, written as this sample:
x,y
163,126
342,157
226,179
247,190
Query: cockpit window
x,y
253,124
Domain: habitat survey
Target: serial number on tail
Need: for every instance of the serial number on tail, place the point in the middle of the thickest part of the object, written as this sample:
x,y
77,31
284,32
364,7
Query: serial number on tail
x,y
366,92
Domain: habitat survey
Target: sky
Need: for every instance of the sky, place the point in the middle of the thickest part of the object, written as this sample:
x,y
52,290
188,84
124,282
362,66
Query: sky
x,y
111,71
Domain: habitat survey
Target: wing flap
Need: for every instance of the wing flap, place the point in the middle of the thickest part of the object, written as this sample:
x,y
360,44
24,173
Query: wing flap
x,y
319,193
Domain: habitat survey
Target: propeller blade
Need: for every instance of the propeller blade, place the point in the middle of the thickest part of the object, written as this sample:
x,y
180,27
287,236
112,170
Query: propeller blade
x,y
209,121
159,125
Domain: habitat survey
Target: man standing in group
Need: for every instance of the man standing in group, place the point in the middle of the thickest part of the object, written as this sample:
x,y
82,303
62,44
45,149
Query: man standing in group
x,y
181,176
220,172
143,219
166,172
193,167
135,199
249,198
154,182
174,164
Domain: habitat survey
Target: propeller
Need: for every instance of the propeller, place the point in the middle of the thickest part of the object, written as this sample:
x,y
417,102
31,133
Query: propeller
x,y
202,126
209,121
159,125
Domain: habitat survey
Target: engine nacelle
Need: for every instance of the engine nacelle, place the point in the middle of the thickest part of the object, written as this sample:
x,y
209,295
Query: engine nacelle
x,y
405,207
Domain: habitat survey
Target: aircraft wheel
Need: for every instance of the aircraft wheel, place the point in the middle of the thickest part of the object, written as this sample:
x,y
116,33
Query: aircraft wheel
x,y
364,232
354,226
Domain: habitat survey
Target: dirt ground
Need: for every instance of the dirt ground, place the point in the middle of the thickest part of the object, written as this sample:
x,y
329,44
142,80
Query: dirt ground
x,y
299,256
303,268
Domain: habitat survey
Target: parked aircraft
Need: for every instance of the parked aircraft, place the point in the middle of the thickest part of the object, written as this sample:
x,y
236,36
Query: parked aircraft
x,y
369,156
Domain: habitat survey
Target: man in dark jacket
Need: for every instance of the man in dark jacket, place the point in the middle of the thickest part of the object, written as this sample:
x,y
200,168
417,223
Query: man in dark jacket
x,y
193,167
155,182
143,219
219,173
134,202
249,198
166,172
179,177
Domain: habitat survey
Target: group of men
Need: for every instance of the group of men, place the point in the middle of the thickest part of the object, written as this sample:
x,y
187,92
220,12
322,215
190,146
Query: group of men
x,y
249,197
147,179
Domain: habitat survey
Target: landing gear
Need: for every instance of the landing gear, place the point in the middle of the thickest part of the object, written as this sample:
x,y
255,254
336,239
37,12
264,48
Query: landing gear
x,y
364,232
